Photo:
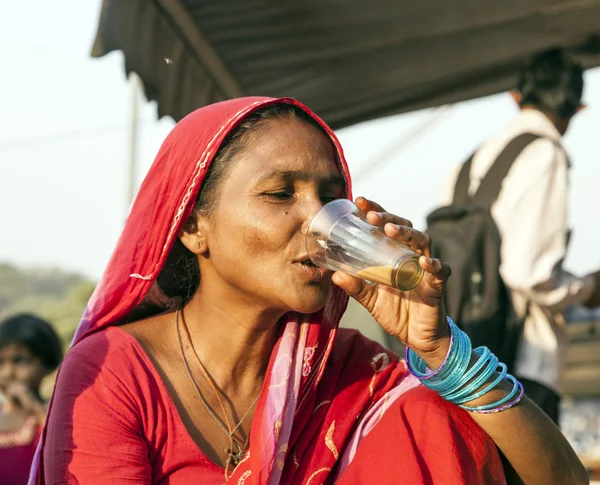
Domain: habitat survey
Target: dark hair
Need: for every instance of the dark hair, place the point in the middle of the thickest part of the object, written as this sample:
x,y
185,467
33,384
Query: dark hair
x,y
553,84
34,333
180,277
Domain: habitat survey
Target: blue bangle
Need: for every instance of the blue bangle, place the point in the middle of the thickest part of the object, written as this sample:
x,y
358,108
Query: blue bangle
x,y
454,366
458,383
470,382
458,364
481,379
499,403
486,389
508,405
484,354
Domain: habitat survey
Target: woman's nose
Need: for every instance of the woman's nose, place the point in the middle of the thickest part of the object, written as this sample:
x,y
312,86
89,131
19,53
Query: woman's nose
x,y
312,207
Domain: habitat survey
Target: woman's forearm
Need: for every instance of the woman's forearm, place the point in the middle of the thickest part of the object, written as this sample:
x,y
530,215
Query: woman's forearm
x,y
532,444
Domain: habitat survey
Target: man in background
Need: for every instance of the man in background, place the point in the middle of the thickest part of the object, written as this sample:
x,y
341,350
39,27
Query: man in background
x,y
531,215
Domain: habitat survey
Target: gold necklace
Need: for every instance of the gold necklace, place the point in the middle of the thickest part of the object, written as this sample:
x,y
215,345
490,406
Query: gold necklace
x,y
235,452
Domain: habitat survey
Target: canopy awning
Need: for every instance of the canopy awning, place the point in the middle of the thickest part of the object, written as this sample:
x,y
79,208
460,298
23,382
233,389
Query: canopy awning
x,y
349,60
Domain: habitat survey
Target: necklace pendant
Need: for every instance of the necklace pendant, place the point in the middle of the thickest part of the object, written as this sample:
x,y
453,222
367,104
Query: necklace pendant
x,y
234,454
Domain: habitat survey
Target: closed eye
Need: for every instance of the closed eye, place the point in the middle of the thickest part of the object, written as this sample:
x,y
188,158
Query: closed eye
x,y
278,196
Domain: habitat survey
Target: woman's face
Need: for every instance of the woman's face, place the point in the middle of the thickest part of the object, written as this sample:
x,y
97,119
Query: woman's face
x,y
256,238
19,366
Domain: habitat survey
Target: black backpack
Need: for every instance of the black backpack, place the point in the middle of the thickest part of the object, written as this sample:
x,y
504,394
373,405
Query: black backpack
x,y
465,236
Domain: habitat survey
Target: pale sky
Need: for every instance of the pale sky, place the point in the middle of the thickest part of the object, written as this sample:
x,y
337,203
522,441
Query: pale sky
x,y
64,145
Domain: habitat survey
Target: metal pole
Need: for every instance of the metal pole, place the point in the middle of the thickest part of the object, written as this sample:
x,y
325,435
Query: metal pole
x,y
135,85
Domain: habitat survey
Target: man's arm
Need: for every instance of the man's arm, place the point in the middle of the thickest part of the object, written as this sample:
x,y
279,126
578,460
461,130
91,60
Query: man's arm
x,y
531,213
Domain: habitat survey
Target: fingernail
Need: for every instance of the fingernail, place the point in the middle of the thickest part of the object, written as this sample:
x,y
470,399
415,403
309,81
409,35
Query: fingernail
x,y
429,261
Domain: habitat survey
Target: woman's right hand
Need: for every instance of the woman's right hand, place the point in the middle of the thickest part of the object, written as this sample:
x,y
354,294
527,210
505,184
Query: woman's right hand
x,y
418,317
27,399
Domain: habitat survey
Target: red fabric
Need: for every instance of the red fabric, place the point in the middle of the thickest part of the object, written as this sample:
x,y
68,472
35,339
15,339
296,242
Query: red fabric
x,y
321,394
423,439
15,463
108,379
97,434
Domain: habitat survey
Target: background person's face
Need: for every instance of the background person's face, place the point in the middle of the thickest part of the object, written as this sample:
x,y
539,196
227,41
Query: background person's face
x,y
19,366
256,240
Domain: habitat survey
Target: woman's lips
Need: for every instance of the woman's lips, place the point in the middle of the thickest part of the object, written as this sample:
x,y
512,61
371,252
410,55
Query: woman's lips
x,y
312,272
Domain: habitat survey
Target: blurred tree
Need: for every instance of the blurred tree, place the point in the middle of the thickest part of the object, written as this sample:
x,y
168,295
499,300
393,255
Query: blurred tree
x,y
54,294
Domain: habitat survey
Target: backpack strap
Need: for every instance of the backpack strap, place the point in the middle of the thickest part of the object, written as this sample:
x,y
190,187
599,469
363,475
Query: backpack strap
x,y
490,186
461,187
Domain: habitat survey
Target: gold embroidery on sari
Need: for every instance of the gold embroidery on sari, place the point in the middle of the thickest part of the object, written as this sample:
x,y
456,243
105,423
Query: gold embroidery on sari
x,y
309,353
329,440
246,456
282,451
324,403
287,378
320,470
243,477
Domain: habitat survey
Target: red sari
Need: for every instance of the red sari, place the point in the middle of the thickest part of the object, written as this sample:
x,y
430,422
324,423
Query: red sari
x,y
335,407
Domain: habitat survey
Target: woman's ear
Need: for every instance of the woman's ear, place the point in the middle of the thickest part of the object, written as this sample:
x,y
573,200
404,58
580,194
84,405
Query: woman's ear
x,y
196,241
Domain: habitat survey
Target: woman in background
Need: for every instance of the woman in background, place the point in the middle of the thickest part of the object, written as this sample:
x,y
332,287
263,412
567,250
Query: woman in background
x,y
29,351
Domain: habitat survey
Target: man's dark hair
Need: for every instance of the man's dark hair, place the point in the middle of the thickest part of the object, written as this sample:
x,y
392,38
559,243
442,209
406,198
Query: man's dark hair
x,y
34,333
553,84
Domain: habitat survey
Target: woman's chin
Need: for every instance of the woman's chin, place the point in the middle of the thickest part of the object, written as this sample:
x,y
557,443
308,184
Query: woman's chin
x,y
310,303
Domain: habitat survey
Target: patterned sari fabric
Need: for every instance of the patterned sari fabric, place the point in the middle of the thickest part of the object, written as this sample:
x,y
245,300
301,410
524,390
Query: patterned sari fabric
x,y
326,393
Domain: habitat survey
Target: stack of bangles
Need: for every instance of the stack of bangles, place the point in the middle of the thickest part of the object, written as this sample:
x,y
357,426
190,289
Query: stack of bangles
x,y
458,383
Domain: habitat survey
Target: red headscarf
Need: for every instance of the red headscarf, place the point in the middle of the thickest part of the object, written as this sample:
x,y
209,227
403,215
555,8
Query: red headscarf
x,y
322,395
